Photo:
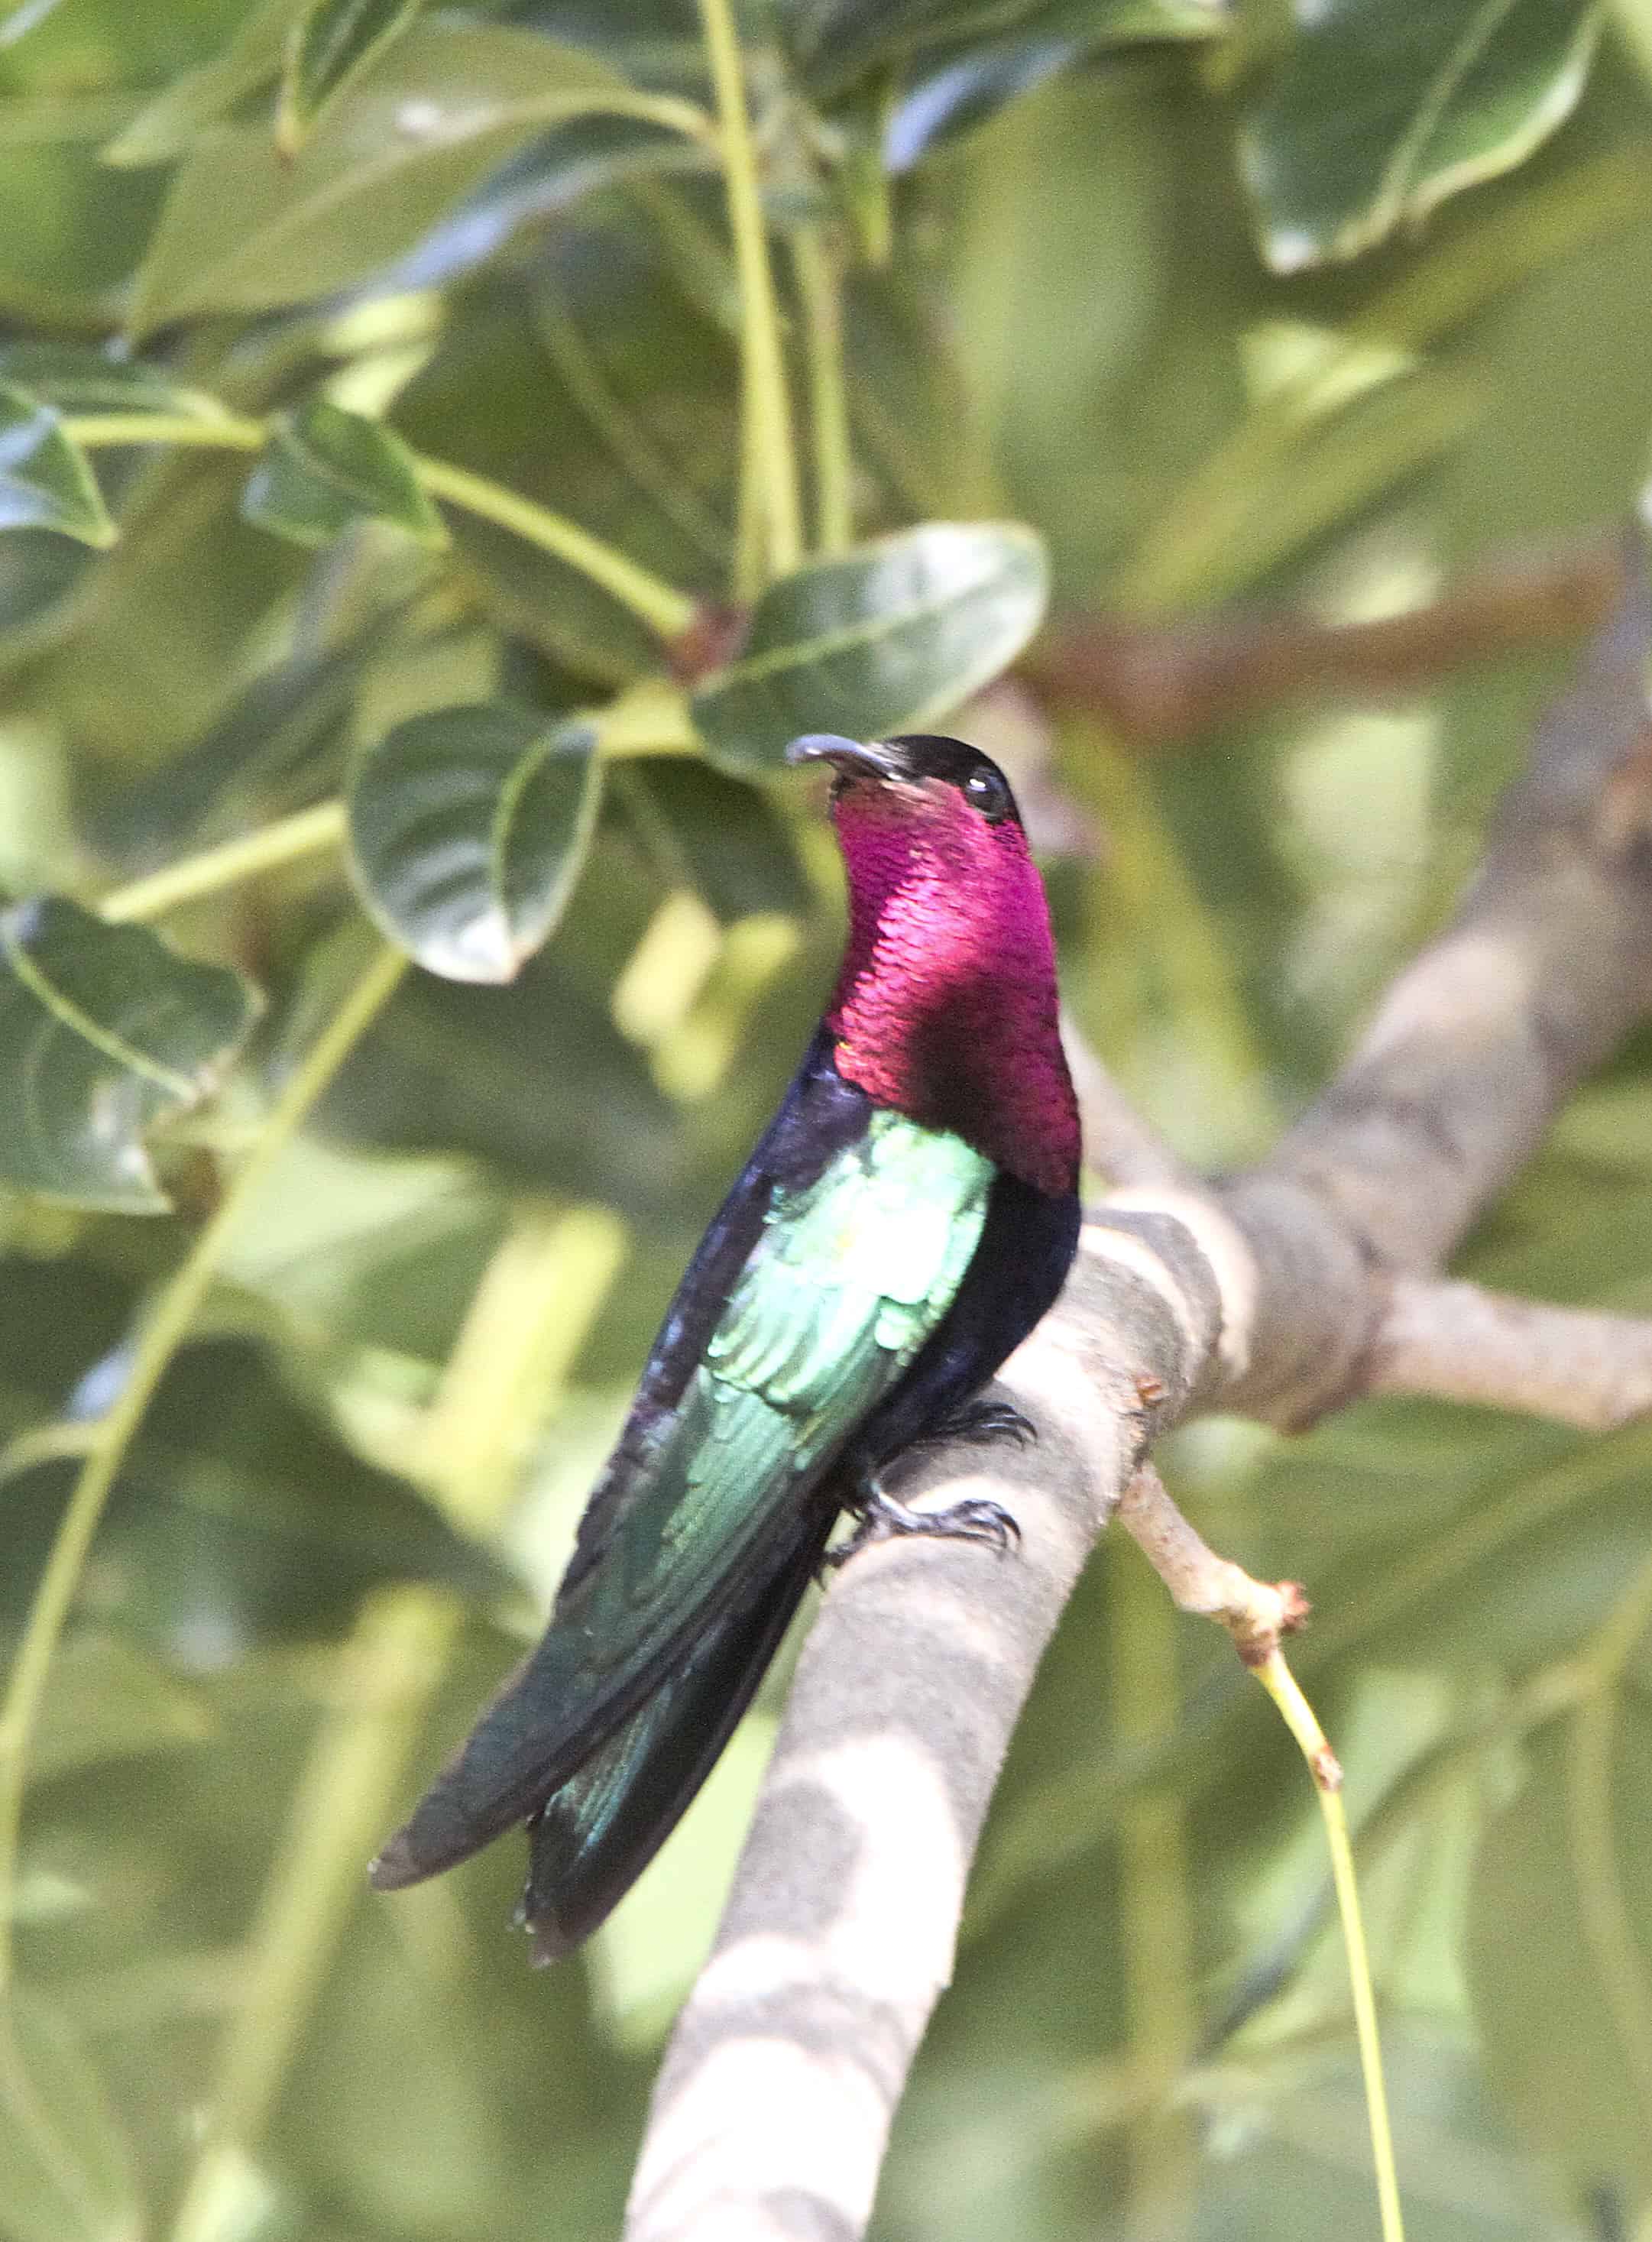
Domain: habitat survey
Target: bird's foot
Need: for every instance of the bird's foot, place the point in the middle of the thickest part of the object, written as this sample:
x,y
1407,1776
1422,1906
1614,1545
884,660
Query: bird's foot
x,y
981,1420
884,1518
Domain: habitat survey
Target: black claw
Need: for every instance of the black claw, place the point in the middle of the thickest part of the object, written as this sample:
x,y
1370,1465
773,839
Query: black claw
x,y
981,1421
885,1519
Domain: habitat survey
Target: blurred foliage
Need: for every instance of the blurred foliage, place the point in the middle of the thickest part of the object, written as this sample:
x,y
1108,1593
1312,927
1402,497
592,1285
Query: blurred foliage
x,y
403,356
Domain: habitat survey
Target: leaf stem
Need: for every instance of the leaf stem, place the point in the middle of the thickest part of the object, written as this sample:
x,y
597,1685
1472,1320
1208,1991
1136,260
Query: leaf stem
x,y
768,453
304,834
658,604
650,719
1300,1717
816,265
174,1312
220,432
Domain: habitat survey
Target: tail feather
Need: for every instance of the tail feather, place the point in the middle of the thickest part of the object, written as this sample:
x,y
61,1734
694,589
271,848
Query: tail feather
x,y
594,1836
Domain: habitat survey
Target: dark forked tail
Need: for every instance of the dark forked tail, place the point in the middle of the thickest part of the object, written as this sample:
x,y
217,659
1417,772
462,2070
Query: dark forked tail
x,y
595,1837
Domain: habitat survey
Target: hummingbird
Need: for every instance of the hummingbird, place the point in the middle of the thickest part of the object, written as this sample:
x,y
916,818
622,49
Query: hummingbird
x,y
907,1217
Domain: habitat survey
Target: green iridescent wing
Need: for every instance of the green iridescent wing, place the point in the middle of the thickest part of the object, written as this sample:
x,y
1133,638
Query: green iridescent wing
x,y
849,1274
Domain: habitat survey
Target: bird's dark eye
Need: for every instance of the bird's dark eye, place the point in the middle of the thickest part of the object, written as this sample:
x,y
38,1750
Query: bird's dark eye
x,y
988,794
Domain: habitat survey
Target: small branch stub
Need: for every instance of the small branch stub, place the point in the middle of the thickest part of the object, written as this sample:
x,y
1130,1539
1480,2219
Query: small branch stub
x,y
1256,1613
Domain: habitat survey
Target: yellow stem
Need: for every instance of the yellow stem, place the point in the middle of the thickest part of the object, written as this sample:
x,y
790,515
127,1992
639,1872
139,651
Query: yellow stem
x,y
659,605
217,432
769,451
1300,1717
304,834
816,265
650,719
174,1312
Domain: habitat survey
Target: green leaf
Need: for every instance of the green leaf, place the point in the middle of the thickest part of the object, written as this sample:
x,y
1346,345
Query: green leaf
x,y
45,481
468,829
77,380
166,126
1560,1943
331,42
103,1032
247,229
891,636
605,394
1382,110
68,2166
108,1700
324,468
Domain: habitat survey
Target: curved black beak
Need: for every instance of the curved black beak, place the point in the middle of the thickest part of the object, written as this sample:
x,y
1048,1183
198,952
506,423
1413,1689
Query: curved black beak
x,y
853,758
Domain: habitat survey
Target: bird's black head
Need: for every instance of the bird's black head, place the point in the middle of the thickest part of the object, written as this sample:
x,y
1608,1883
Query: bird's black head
x,y
914,759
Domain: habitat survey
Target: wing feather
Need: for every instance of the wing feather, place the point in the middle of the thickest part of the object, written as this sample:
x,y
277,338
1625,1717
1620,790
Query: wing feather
x,y
853,1267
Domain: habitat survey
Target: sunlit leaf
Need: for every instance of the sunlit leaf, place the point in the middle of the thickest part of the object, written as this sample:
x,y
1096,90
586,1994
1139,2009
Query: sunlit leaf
x,y
45,482
68,2166
1380,109
103,1032
468,829
891,636
324,468
331,42
246,229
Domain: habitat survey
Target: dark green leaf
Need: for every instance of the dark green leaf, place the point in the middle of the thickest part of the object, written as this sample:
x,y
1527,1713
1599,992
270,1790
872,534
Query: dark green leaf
x,y
45,482
1382,110
68,2166
76,379
103,1032
468,828
324,468
838,41
892,635
246,229
331,42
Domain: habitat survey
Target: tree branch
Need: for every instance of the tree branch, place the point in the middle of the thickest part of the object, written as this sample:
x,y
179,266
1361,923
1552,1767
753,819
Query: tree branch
x,y
1284,1292
1461,1342
1159,683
